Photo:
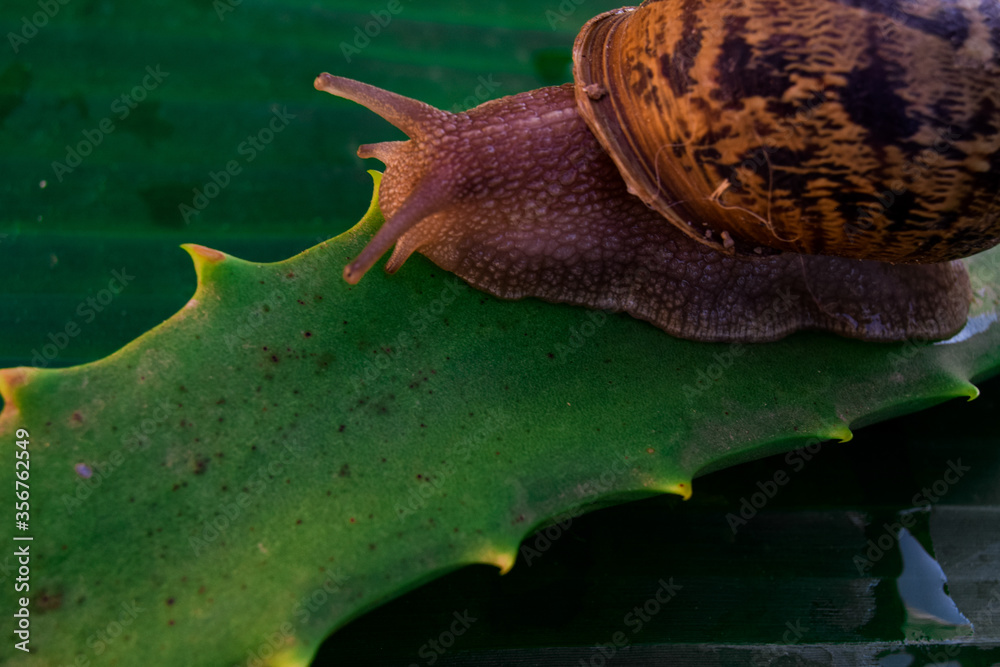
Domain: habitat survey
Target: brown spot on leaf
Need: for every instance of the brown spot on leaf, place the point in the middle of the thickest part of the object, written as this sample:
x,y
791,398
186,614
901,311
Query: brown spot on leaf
x,y
47,601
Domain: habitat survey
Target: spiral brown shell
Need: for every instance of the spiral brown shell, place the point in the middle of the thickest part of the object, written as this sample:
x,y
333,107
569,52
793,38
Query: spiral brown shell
x,y
856,128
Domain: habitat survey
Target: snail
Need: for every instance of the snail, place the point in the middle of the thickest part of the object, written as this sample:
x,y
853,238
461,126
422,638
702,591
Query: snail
x,y
728,170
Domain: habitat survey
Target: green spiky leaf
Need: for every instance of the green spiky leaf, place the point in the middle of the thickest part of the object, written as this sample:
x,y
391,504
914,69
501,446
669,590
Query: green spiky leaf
x,y
288,451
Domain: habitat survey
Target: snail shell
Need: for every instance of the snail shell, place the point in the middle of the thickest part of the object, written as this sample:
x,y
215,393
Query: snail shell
x,y
558,193
866,129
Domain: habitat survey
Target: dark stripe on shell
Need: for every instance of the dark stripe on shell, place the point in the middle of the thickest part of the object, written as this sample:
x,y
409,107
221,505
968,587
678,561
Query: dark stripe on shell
x,y
949,23
871,99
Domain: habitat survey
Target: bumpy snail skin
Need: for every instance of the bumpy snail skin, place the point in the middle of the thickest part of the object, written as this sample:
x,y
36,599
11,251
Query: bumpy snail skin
x,y
517,197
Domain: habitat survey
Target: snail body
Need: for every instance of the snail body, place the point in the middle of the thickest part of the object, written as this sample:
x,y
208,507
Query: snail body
x,y
579,194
